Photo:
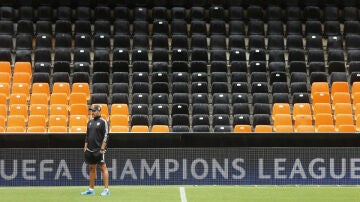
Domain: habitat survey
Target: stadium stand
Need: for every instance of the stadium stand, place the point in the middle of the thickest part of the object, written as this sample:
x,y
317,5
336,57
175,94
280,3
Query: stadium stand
x,y
182,68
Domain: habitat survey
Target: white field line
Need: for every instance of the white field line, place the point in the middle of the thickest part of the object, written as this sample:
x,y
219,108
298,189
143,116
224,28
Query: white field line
x,y
183,194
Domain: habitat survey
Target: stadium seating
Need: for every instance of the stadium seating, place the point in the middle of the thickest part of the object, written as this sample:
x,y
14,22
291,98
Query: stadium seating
x,y
182,68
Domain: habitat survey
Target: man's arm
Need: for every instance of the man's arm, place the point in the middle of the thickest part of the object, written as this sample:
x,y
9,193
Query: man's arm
x,y
106,137
85,146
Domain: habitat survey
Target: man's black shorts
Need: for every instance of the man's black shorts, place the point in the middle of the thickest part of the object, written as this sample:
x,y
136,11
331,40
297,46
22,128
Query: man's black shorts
x,y
94,157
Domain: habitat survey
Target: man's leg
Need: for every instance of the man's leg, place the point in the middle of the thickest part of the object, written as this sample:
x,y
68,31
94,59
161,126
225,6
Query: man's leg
x,y
92,175
105,175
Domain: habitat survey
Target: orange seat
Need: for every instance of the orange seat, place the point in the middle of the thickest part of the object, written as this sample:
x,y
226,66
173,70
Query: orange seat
x,y
81,88
79,109
23,67
41,88
77,98
282,119
5,67
78,120
39,98
343,119
104,111
160,129
21,77
119,120
242,129
325,128
78,129
322,108
339,86
3,99
57,120
58,129
16,120
284,128
59,98
61,87
341,97
40,109
357,110
18,88
3,110
36,129
5,89
320,97
356,98
2,130
58,109
19,109
346,128
303,120
263,129
304,128
317,87
301,109
5,77
140,129
119,129
342,108
15,129
2,122
280,108
119,109
18,99
355,88
357,123
37,121
323,119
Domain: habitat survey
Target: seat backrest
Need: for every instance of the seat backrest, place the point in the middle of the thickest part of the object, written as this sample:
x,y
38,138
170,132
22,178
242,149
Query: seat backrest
x,y
263,129
160,129
39,98
119,120
23,67
78,120
320,97
77,98
81,88
280,108
319,87
21,88
79,109
59,98
19,109
242,129
57,120
40,109
61,87
139,129
41,88
21,77
59,109
119,109
301,109
339,86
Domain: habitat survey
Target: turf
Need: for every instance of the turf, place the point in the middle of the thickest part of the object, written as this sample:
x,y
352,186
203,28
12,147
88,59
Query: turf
x,y
193,193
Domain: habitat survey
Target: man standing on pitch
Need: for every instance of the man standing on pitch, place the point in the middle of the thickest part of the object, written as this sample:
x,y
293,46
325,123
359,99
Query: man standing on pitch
x,y
95,147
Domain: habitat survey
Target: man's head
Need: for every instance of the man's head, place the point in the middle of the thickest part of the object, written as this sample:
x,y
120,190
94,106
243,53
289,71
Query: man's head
x,y
95,110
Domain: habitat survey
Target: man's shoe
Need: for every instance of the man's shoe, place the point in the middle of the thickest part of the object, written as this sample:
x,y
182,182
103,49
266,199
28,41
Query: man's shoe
x,y
106,192
88,192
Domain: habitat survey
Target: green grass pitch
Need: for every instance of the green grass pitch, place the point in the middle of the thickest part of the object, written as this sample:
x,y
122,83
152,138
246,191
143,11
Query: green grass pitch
x,y
192,193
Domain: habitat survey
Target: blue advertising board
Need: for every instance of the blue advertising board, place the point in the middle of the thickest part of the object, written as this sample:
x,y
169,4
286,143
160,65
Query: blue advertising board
x,y
182,166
